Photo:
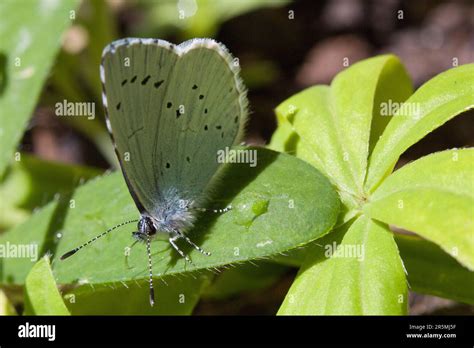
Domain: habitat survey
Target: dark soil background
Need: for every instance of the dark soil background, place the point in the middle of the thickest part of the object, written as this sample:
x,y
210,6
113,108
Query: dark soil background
x,y
281,56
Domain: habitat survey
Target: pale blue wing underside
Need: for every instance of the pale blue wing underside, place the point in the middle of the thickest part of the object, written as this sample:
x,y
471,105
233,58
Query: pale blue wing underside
x,y
170,110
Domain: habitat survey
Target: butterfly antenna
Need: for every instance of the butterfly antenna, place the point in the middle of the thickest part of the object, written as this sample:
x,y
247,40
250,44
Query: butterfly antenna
x,y
150,269
73,251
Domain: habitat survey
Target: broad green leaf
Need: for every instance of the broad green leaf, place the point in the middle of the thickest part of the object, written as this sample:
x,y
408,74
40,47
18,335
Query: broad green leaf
x,y
353,93
29,39
272,213
23,245
27,185
173,296
364,276
434,197
431,271
42,295
244,278
333,126
437,101
393,86
318,146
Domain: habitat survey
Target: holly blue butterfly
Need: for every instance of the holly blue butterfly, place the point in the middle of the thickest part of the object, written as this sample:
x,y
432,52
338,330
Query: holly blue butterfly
x,y
169,110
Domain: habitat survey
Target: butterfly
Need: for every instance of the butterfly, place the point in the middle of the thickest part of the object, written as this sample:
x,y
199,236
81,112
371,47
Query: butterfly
x,y
169,110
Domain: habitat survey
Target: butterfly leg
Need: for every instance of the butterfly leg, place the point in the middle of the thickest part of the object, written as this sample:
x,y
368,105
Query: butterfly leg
x,y
219,211
173,244
127,252
195,246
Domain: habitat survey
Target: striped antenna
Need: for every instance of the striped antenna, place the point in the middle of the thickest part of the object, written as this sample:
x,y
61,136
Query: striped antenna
x,y
150,269
73,251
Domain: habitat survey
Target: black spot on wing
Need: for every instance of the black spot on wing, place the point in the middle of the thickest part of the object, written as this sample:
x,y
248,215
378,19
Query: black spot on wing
x,y
145,80
158,83
124,82
133,79
118,106
169,105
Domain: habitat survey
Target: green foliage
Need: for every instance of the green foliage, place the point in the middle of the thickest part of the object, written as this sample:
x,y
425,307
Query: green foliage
x,y
285,213
437,101
271,214
173,296
42,295
240,235
29,39
433,197
27,185
341,130
36,232
432,271
368,279
244,278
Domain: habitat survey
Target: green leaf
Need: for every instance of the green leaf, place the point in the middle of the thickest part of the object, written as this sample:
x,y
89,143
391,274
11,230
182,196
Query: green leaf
x,y
393,86
434,197
271,214
369,280
244,278
173,296
29,39
431,271
347,119
437,101
25,243
27,184
42,295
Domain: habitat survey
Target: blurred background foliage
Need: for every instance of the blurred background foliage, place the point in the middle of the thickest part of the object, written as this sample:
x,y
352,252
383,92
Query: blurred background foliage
x,y
283,46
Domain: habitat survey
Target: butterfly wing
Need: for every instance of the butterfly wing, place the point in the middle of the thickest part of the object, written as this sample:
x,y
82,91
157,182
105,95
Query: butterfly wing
x,y
170,109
